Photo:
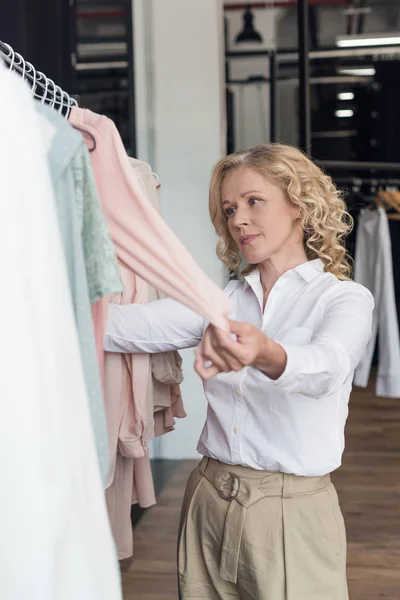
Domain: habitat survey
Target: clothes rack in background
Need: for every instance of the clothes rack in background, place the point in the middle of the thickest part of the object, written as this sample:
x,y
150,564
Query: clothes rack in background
x,y
379,183
379,191
359,165
43,88
373,182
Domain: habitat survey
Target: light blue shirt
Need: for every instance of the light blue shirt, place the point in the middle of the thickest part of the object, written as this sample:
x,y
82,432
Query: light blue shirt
x,y
89,252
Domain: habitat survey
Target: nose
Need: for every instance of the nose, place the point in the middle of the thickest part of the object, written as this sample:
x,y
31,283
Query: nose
x,y
240,218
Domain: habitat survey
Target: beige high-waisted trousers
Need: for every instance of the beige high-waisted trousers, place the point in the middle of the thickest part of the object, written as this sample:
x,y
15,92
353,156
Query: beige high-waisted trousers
x,y
260,535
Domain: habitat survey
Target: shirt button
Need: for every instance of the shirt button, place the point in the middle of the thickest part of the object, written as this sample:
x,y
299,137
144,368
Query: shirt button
x,y
237,390
235,431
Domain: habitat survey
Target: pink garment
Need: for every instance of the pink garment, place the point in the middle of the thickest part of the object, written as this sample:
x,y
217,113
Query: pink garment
x,y
147,247
143,241
164,395
130,426
125,387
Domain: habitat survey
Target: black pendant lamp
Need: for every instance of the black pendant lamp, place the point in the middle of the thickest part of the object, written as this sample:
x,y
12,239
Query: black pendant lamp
x,y
249,34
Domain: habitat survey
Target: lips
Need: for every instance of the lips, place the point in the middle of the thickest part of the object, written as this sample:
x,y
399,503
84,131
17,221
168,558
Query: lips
x,y
248,239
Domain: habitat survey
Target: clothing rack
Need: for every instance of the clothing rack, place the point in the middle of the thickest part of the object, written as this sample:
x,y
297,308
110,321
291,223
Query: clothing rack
x,y
373,182
43,88
375,185
359,165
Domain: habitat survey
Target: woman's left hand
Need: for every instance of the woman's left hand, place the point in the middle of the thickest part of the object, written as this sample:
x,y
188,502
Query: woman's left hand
x,y
226,354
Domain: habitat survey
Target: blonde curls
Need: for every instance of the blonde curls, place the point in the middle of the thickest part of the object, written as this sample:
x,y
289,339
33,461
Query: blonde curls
x,y
324,219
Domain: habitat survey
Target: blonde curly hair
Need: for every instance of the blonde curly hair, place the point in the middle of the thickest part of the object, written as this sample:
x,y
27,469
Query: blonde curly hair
x,y
324,219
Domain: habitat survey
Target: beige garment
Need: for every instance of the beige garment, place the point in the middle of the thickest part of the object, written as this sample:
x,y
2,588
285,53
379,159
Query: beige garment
x,y
164,396
262,535
130,426
130,486
133,385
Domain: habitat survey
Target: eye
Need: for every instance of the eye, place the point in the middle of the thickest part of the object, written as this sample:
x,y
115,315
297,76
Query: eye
x,y
254,201
230,211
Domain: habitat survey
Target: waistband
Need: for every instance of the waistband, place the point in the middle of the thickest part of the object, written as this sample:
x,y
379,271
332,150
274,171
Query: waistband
x,y
243,487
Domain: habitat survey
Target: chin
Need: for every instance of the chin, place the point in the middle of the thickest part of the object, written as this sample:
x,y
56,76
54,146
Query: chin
x,y
254,258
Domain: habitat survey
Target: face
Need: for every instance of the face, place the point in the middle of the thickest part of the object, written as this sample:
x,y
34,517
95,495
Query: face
x,y
260,219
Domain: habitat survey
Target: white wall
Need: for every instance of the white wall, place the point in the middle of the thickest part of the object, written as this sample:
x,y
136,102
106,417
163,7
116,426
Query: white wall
x,y
181,132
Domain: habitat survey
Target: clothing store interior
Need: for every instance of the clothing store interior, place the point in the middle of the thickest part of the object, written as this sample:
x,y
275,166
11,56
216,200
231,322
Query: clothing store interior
x,y
114,113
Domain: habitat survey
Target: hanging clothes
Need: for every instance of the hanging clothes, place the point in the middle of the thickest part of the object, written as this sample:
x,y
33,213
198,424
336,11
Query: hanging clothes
x,y
91,262
55,542
139,392
143,241
373,269
147,250
164,396
130,426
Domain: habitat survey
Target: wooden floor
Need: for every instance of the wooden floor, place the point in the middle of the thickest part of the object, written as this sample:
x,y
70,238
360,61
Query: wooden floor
x,y
369,489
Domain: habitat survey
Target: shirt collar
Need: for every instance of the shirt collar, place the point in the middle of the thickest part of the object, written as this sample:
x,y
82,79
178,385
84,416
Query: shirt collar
x,y
307,271
310,269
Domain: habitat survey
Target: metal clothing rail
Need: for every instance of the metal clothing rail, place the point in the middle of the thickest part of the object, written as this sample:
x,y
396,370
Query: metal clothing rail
x,y
373,51
373,182
292,56
359,165
43,88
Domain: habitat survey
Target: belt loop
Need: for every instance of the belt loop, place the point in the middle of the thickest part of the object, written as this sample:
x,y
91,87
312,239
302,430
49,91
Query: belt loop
x,y
203,465
287,491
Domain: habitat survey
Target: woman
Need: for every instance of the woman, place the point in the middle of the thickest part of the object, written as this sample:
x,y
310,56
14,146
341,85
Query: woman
x,y
260,518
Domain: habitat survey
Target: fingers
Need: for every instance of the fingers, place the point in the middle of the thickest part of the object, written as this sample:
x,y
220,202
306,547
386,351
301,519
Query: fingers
x,y
224,353
230,350
239,328
231,359
204,372
212,350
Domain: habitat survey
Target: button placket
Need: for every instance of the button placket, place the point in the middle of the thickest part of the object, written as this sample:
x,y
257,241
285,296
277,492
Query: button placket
x,y
273,301
238,416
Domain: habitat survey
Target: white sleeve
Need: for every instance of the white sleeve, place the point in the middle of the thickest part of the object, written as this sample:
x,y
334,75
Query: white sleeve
x,y
158,326
319,368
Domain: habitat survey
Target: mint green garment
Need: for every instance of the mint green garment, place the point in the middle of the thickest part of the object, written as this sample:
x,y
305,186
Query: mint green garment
x,y
89,253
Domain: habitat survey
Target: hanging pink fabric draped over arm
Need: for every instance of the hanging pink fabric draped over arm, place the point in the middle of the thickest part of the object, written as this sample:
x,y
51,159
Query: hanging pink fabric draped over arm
x,y
143,241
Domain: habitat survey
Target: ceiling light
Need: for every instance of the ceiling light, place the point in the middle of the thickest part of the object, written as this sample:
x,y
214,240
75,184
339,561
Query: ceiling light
x,y
344,113
362,71
345,96
248,34
362,41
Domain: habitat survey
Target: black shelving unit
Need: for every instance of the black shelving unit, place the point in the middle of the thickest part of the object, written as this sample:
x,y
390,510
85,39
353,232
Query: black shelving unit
x,y
319,75
103,62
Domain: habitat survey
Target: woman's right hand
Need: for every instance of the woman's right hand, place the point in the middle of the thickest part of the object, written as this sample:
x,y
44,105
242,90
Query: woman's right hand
x,y
213,355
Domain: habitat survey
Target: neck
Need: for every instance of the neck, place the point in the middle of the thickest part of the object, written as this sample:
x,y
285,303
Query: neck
x,y
277,265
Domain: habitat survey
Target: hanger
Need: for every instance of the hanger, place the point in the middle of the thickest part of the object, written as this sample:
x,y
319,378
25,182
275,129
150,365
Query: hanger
x,y
11,56
31,71
390,201
64,102
42,88
395,196
90,135
45,82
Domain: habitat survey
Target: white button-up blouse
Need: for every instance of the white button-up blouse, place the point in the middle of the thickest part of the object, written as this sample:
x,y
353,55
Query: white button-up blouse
x,y
294,424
